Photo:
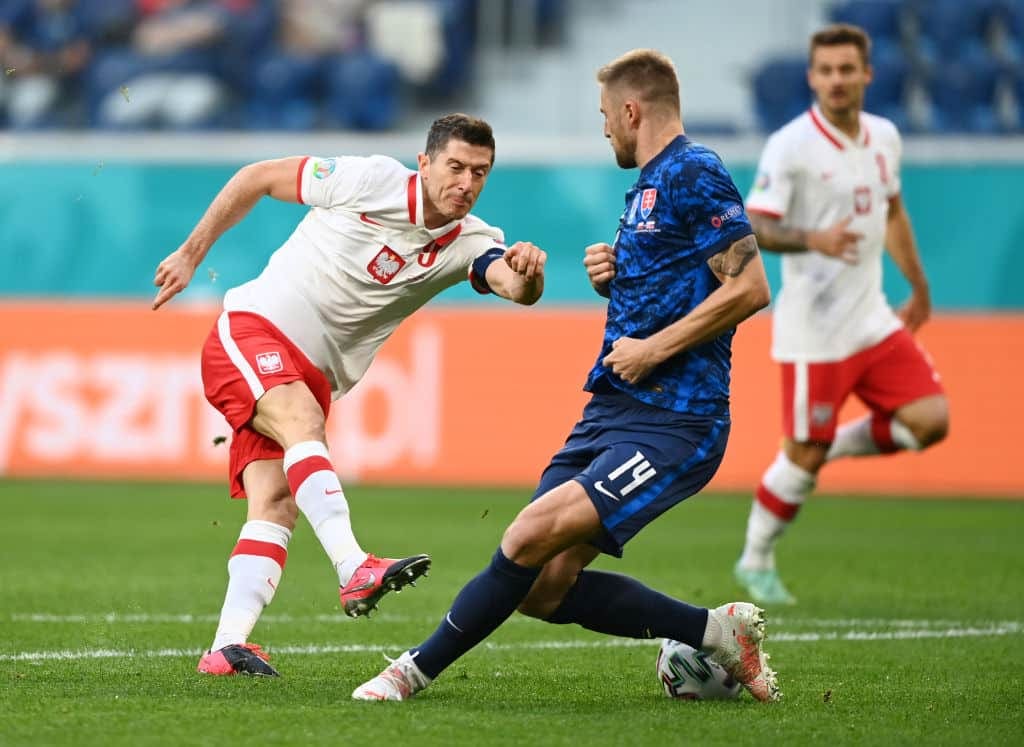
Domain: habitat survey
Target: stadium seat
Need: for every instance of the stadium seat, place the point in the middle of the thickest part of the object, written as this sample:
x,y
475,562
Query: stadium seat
x,y
890,74
882,19
947,24
108,71
283,92
363,92
780,91
963,97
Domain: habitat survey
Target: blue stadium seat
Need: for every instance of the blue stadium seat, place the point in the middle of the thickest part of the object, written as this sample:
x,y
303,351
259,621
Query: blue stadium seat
x,y
886,96
459,28
890,75
947,24
780,91
882,19
363,92
282,93
963,97
108,71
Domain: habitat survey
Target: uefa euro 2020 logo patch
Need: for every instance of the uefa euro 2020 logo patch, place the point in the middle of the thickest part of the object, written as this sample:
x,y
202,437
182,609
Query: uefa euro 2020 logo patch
x,y
323,169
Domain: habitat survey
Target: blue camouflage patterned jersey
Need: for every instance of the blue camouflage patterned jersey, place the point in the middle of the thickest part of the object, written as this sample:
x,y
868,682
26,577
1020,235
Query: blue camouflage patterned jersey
x,y
683,209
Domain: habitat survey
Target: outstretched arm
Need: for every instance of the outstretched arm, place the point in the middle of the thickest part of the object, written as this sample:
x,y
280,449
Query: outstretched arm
x,y
899,240
744,291
520,277
275,178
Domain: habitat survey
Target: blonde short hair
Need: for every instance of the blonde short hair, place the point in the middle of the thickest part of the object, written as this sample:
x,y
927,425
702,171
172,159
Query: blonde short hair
x,y
646,72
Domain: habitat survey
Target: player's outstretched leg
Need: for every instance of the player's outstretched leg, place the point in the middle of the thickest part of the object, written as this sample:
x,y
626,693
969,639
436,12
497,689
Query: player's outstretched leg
x,y
375,577
242,658
739,650
399,681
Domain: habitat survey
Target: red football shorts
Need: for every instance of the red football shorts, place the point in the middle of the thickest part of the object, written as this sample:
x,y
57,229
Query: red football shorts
x,y
886,376
243,357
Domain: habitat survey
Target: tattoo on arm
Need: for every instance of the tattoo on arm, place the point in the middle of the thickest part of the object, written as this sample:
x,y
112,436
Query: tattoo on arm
x,y
773,237
732,261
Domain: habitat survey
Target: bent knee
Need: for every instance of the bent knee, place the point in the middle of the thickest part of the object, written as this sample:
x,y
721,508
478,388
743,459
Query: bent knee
x,y
931,432
929,424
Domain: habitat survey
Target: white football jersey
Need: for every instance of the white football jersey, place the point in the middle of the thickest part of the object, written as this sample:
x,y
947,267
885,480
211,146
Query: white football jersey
x,y
359,263
812,176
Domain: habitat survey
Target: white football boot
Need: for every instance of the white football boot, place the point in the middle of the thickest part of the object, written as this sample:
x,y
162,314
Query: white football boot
x,y
739,651
399,681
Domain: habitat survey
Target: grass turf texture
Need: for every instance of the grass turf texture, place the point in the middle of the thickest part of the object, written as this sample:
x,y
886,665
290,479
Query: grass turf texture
x,y
74,553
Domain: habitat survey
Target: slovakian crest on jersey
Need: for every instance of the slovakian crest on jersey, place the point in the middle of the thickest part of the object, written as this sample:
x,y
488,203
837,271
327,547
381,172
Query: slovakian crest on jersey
x,y
647,199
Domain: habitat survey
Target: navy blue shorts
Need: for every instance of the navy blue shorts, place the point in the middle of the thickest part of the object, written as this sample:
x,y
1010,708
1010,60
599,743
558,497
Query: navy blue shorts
x,y
636,461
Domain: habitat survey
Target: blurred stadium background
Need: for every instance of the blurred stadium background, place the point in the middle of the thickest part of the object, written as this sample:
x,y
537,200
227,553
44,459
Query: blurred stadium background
x,y
122,118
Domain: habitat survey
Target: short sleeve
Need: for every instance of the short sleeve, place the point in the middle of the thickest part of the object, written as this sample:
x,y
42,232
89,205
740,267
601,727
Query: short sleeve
x,y
895,184
773,185
717,215
331,182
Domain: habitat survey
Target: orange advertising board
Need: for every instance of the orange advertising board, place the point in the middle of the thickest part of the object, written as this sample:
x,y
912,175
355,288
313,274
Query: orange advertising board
x,y
457,396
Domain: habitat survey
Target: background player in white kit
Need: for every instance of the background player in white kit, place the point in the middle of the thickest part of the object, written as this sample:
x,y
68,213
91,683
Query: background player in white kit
x,y
378,242
827,196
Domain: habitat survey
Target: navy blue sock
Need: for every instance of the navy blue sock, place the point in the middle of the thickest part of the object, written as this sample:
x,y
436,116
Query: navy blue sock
x,y
619,605
482,605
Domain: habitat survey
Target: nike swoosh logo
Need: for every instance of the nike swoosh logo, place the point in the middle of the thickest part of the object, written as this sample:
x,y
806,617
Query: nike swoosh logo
x,y
448,617
332,492
371,221
367,584
601,488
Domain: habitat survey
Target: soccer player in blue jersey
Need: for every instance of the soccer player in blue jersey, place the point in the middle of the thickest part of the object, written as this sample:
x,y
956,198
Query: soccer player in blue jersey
x,y
683,272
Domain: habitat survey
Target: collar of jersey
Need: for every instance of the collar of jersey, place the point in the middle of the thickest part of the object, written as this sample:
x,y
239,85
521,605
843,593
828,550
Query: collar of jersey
x,y
442,236
676,141
836,136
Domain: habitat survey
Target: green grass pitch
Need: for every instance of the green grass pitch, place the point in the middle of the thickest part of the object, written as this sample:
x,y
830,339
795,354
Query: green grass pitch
x,y
909,628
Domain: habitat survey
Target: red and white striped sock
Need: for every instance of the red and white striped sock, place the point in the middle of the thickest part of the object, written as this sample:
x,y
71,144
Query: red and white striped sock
x,y
872,434
318,493
254,572
782,492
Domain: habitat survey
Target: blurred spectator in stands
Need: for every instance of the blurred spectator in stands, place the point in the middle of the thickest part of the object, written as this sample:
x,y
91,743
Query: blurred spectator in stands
x,y
172,72
44,46
320,72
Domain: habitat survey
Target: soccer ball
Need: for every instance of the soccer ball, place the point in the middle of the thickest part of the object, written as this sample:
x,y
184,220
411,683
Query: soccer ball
x,y
688,674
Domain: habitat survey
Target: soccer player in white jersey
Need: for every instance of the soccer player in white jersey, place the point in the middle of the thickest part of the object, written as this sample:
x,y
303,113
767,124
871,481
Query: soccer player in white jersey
x,y
378,242
827,197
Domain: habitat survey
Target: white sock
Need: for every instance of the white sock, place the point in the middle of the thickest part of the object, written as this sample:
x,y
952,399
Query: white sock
x,y
853,439
712,633
254,572
872,434
782,492
903,437
318,493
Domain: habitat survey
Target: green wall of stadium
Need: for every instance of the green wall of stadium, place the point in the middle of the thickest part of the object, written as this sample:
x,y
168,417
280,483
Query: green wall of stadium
x,y
81,230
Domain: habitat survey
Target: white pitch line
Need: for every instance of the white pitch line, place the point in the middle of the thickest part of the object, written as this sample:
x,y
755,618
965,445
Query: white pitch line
x,y
1002,629
111,618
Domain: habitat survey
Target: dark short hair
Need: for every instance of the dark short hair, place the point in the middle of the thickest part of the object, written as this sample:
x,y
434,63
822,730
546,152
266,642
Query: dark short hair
x,y
647,72
842,33
462,127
